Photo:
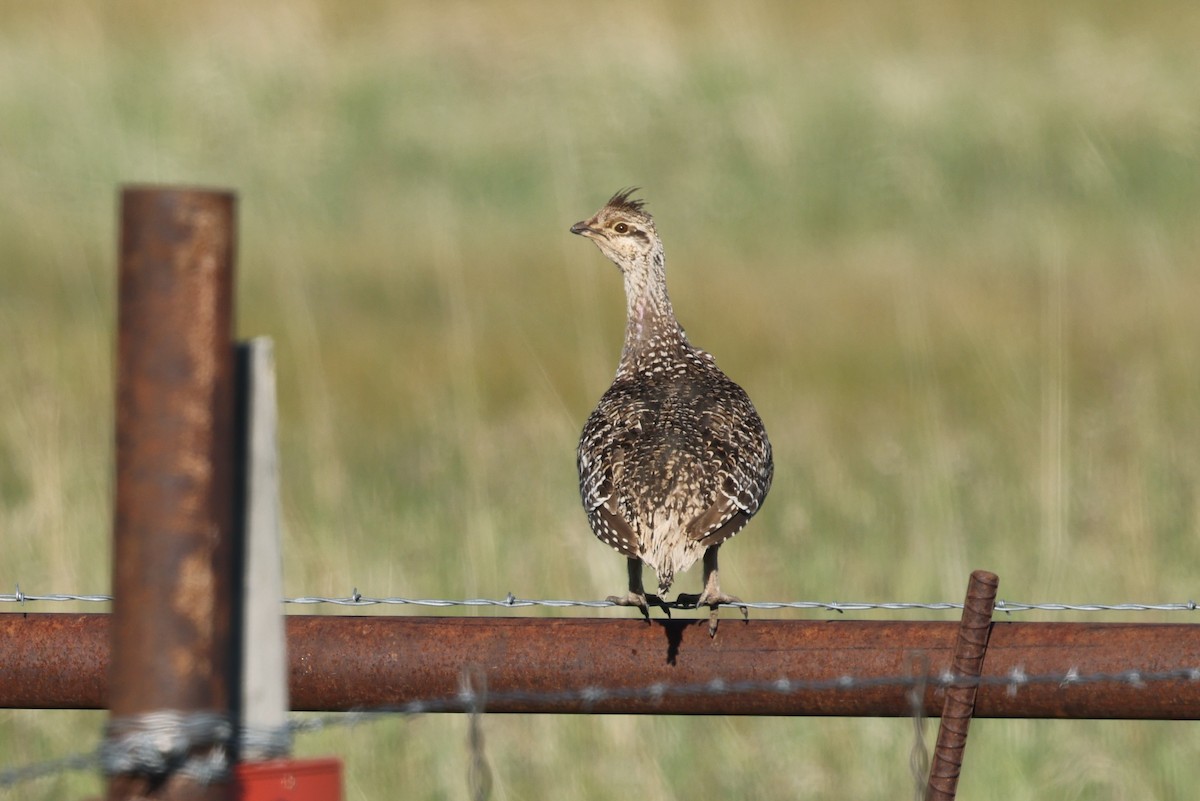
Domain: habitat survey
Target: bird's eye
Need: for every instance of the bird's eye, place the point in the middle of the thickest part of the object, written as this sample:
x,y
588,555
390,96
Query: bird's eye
x,y
621,228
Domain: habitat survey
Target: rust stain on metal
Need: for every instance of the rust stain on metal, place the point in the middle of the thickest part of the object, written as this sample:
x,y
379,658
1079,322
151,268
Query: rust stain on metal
x,y
195,589
193,600
183,662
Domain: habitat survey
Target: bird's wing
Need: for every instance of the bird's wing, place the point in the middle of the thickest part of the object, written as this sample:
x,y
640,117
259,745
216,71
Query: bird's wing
x,y
599,469
613,529
720,521
745,468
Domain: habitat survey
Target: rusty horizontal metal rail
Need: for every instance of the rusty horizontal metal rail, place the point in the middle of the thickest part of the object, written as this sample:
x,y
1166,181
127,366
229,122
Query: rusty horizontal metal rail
x,y
60,661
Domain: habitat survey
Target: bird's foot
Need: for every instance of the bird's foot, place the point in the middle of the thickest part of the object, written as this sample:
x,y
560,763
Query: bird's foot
x,y
713,600
641,600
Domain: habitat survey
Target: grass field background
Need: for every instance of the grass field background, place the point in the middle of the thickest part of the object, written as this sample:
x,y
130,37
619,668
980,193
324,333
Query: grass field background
x,y
950,250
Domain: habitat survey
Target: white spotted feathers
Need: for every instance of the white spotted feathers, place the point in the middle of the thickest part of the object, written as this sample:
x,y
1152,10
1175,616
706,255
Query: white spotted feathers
x,y
674,460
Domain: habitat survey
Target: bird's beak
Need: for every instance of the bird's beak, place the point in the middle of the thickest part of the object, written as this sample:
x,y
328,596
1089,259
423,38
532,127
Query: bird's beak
x,y
582,228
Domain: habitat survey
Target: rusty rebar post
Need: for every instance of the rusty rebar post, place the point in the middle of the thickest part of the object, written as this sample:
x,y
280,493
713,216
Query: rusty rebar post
x,y
172,581
969,652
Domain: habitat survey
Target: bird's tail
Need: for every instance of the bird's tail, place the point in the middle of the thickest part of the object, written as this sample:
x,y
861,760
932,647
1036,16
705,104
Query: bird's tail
x,y
665,577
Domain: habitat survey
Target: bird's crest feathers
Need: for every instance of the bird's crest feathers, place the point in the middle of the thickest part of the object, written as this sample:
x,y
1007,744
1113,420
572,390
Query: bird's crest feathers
x,y
623,201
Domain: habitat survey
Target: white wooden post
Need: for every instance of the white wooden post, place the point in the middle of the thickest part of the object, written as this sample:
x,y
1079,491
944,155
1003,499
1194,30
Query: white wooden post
x,y
264,690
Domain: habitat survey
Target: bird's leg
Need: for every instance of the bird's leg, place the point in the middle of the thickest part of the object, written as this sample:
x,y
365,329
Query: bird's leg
x,y
637,593
712,595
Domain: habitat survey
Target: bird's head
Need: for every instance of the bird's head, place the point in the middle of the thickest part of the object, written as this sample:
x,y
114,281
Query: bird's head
x,y
623,230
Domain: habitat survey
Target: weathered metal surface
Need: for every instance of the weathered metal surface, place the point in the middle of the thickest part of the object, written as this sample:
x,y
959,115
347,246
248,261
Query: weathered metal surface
x,y
959,705
339,663
54,661
175,469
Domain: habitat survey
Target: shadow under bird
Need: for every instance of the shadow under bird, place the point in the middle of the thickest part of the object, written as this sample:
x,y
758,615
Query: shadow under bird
x,y
674,460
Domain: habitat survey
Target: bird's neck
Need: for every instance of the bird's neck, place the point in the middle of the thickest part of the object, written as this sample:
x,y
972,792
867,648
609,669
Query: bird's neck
x,y
650,321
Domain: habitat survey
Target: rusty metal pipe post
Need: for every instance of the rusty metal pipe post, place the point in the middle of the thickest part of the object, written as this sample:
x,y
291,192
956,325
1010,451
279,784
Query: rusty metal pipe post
x,y
172,579
959,706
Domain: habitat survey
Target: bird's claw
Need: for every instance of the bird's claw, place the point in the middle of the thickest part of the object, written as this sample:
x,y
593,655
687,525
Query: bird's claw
x,y
642,601
713,601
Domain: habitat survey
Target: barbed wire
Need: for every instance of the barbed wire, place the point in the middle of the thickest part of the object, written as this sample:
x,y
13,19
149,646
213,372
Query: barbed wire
x,y
468,699
73,763
513,602
479,774
918,755
24,597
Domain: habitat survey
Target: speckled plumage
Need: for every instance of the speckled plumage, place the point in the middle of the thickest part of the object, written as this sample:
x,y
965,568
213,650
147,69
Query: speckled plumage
x,y
674,460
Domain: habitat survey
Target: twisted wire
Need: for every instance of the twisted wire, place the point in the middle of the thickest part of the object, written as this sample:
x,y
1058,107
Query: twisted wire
x,y
468,699
167,741
357,599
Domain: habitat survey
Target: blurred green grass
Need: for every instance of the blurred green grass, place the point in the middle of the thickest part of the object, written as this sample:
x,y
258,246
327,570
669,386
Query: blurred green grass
x,y
951,251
